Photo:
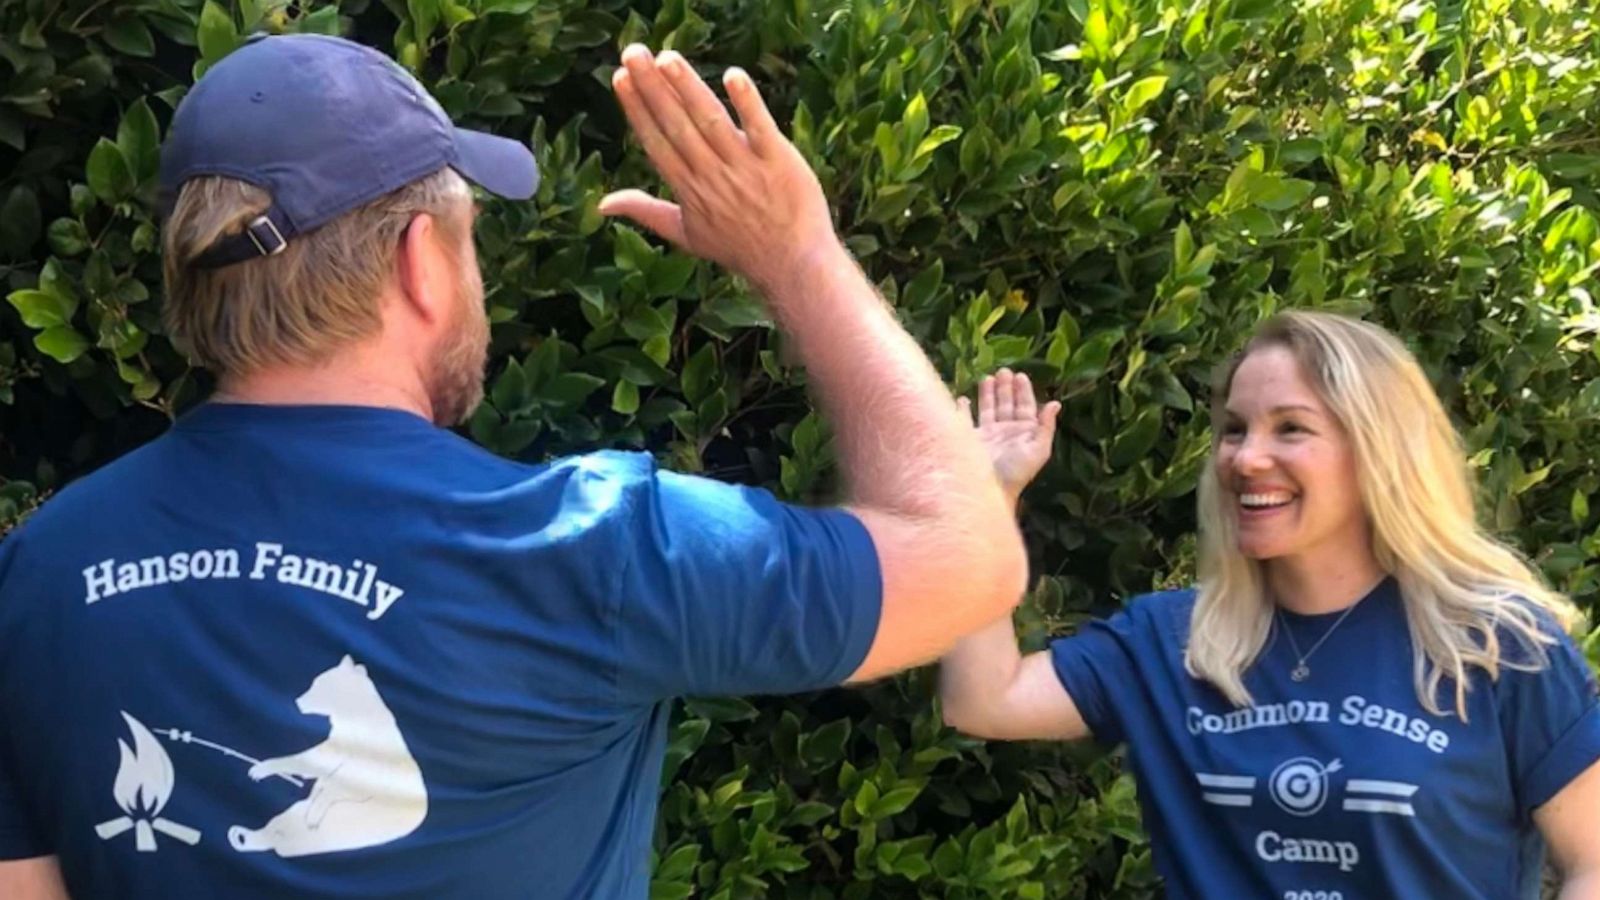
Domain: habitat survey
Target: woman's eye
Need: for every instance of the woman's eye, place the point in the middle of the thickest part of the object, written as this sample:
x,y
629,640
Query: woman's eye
x,y
1290,428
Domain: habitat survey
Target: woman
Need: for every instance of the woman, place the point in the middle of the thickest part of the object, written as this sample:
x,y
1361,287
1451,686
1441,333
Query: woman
x,y
1365,696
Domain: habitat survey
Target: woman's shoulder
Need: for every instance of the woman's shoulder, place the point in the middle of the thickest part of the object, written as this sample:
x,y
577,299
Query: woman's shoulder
x,y
1165,611
1528,632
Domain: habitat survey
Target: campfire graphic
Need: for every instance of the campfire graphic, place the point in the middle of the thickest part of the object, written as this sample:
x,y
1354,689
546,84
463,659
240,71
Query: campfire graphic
x,y
144,782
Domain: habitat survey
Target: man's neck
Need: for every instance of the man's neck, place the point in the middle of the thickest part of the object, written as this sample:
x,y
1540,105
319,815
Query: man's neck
x,y
337,384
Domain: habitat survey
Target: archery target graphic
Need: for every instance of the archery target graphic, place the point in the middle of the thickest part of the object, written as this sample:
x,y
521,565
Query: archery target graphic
x,y
1300,786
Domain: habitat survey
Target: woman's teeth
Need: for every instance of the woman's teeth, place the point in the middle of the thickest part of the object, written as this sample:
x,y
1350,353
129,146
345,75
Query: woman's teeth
x,y
1261,501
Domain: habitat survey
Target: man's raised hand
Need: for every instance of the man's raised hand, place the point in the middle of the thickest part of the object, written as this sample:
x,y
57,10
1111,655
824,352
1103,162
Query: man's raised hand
x,y
745,196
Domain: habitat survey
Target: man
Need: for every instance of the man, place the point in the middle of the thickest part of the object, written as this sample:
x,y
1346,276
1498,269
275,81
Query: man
x,y
309,644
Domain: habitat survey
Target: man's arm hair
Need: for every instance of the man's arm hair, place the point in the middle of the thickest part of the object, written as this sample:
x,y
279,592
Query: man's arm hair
x,y
917,477
949,551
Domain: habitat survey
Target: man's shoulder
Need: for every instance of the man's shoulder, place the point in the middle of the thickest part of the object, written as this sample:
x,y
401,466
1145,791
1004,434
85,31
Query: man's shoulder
x,y
95,497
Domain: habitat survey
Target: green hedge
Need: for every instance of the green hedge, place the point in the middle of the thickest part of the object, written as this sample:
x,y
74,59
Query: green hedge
x,y
1104,193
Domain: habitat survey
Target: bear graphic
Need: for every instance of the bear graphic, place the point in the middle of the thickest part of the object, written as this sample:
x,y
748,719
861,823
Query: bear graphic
x,y
368,789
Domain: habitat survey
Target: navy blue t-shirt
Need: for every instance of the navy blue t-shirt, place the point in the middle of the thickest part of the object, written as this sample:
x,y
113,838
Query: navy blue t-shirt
x,y
336,651
1342,786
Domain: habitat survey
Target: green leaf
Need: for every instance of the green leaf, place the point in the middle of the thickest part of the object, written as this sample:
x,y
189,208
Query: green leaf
x,y
68,237
808,814
455,14
1136,441
825,746
216,36
1143,92
108,173
1092,356
82,200
866,798
915,120
720,709
38,308
1182,247
510,391
139,139
625,398
323,21
61,343
1276,193
895,802
127,33
20,222
698,374
1097,33
11,132
570,388
1525,482
678,865
671,274
940,136
631,251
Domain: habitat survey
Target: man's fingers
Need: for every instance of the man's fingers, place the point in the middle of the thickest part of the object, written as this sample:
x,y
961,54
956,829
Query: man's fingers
x,y
706,111
646,131
986,401
661,217
754,117
965,406
671,116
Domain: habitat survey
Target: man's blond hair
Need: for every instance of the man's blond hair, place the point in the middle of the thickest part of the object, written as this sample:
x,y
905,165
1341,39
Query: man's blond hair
x,y
298,306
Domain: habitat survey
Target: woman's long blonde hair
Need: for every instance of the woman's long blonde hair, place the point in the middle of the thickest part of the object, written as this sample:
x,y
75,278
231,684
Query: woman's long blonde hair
x,y
1463,590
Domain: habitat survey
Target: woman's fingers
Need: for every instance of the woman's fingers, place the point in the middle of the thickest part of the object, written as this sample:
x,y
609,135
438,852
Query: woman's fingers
x,y
1022,391
1005,396
1047,420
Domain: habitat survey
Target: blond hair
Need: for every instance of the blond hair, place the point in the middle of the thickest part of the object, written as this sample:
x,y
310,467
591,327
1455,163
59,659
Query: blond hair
x,y
1463,590
298,306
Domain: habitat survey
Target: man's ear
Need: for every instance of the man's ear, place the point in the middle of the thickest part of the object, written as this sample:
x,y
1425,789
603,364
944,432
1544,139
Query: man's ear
x,y
421,266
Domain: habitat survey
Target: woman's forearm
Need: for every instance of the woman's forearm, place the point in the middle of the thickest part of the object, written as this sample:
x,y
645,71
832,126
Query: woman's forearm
x,y
975,676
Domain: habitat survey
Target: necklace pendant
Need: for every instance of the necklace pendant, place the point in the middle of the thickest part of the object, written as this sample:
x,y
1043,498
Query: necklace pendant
x,y
1301,672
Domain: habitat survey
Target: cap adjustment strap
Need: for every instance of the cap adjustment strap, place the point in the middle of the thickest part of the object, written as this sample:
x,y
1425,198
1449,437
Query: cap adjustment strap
x,y
265,235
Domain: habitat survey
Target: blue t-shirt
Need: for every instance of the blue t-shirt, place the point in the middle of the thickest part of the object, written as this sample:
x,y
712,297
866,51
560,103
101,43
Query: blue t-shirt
x,y
1341,786
339,652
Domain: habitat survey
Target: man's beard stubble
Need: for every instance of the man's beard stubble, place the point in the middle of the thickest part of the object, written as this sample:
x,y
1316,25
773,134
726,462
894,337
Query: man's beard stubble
x,y
458,366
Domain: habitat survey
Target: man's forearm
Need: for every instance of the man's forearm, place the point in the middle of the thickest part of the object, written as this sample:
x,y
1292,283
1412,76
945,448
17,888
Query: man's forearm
x,y
901,444
1581,886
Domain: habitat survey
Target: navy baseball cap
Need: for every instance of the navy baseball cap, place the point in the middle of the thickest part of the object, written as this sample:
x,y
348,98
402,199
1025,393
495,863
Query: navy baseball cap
x,y
324,125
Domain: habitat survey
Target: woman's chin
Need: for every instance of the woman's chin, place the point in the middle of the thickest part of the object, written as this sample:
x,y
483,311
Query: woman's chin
x,y
1260,551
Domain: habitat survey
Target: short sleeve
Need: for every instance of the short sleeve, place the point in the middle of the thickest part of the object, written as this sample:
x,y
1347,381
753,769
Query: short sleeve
x,y
18,839
1551,719
1093,665
728,591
